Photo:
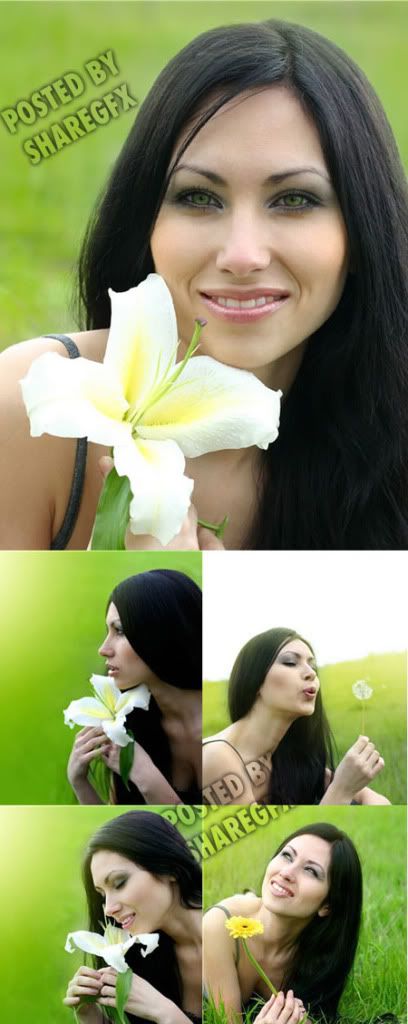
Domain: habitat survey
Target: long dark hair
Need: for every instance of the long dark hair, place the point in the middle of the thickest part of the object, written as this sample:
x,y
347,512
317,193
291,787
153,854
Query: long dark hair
x,y
306,750
161,615
155,845
336,476
327,946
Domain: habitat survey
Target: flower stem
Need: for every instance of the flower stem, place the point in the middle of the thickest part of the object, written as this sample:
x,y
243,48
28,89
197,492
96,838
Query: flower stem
x,y
217,528
259,968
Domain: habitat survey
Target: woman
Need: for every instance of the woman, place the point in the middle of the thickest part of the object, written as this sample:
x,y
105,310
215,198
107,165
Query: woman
x,y
278,749
154,637
308,219
310,931
138,867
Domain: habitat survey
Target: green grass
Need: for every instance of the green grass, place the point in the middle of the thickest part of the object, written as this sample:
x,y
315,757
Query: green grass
x,y
45,207
384,714
54,608
378,982
43,900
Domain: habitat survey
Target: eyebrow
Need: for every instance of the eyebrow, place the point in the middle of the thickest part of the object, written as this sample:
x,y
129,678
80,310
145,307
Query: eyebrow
x,y
315,862
115,871
296,654
272,179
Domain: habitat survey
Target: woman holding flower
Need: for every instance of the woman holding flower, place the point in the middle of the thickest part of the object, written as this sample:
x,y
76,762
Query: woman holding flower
x,y
298,938
154,640
139,873
278,748
300,281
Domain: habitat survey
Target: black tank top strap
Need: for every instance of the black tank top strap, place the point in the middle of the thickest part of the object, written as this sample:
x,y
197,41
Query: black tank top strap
x,y
220,740
66,529
228,914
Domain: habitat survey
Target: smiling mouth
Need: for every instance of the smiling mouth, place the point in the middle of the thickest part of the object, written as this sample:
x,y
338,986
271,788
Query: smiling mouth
x,y
126,922
280,890
242,307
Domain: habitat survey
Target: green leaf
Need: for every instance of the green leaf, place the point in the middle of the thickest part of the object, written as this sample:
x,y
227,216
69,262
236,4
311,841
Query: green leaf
x,y
126,761
101,778
112,514
123,985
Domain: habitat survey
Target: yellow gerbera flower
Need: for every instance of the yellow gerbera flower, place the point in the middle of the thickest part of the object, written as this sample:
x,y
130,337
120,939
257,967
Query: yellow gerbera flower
x,y
243,927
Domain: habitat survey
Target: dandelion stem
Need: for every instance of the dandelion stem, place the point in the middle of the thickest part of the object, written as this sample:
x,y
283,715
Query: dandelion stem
x,y
259,969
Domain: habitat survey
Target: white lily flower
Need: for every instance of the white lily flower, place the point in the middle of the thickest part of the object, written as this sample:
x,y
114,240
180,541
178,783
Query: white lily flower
x,y
361,690
107,709
112,945
152,411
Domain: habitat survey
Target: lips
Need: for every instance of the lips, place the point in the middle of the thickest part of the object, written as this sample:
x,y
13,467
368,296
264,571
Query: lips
x,y
239,306
279,889
126,922
310,691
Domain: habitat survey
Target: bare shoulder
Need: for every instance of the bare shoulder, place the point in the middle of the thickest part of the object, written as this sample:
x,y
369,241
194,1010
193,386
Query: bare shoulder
x,y
35,472
239,905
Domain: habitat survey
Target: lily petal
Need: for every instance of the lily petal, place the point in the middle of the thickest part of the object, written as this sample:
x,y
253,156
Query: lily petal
x,y
142,341
75,398
150,940
85,711
89,942
213,407
161,493
108,693
116,731
137,698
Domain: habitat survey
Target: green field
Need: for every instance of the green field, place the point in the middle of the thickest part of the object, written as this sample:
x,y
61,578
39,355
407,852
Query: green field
x,y
384,714
43,900
378,983
54,606
45,207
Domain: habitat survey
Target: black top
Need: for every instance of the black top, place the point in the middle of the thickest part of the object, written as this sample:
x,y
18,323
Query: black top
x,y
66,529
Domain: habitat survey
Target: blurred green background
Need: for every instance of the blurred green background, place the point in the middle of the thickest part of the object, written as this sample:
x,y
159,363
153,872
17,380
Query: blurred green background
x,y
384,713
43,900
378,984
52,614
45,207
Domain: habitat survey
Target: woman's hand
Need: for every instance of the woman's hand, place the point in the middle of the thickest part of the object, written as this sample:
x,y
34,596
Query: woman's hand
x,y
111,757
89,743
282,1009
359,766
86,982
143,1001
190,537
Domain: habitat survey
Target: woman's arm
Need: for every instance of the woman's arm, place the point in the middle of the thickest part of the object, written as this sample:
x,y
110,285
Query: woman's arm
x,y
35,472
359,765
149,780
89,743
219,971
144,1000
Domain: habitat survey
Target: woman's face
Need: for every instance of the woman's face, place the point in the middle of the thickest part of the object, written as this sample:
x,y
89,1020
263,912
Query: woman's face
x,y
296,882
123,664
137,900
291,684
251,216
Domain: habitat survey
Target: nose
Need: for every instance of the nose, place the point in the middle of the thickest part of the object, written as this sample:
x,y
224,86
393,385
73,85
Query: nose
x,y
106,649
310,673
245,248
112,905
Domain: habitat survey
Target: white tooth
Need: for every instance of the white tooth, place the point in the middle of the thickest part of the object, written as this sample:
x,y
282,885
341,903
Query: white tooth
x,y
232,303
222,301
261,301
248,304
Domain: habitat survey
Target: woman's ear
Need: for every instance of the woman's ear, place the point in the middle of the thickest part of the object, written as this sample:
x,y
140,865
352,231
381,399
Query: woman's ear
x,y
324,910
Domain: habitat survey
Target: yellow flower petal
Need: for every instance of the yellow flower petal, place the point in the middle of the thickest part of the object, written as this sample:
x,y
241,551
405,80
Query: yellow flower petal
x,y
243,927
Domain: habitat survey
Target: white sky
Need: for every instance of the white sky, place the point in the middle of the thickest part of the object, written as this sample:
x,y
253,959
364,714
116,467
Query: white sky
x,y
347,603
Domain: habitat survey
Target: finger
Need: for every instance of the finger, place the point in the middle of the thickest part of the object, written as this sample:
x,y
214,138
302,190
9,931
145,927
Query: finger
x,y
105,464
208,541
265,1009
71,1000
368,750
89,971
360,744
108,990
86,745
288,1009
106,1002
